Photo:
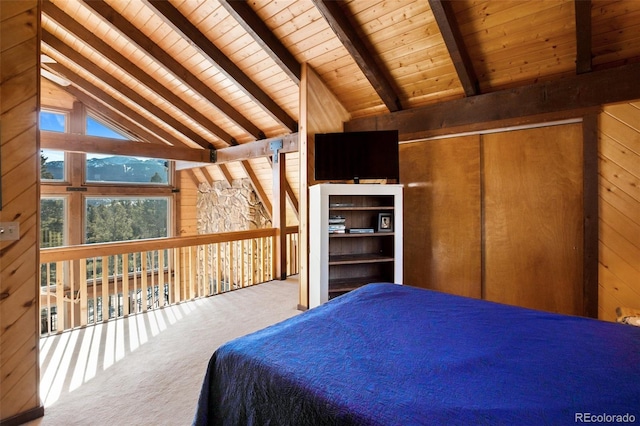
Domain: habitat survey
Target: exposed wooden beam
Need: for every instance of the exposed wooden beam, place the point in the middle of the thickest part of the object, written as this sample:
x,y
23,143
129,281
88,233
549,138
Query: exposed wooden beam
x,y
252,24
207,173
279,216
190,32
100,46
583,36
293,201
125,90
364,56
112,103
193,176
256,149
512,106
262,196
173,66
226,173
446,20
99,145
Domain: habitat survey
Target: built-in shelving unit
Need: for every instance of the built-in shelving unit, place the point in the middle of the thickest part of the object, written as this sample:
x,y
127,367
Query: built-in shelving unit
x,y
355,238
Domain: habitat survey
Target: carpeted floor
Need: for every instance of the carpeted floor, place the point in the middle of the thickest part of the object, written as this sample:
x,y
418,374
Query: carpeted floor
x,y
148,369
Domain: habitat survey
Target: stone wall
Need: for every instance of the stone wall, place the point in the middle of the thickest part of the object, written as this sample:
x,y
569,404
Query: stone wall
x,y
225,208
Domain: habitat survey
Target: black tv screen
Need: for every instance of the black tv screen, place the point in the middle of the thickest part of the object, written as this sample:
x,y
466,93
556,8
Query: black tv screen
x,y
357,155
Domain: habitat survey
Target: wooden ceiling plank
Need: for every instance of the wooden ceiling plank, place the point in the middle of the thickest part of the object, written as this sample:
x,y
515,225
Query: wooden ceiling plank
x,y
174,67
262,195
100,46
84,85
515,106
100,145
253,25
344,30
126,91
446,19
583,36
183,26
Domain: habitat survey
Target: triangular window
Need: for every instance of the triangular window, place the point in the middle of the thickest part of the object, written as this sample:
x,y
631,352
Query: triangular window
x,y
100,128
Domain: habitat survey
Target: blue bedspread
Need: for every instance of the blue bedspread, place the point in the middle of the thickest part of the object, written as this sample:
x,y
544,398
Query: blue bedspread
x,y
397,355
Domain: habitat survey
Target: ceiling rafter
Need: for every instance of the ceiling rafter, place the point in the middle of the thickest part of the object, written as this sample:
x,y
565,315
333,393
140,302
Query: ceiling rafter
x,y
108,100
80,32
345,31
583,36
128,30
123,89
226,173
446,19
190,32
254,26
262,195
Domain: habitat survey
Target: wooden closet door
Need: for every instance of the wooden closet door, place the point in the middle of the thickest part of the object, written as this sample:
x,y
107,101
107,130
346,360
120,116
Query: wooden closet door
x,y
442,236
533,218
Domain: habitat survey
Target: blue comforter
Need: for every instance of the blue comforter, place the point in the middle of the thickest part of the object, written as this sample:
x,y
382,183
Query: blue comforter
x,y
396,355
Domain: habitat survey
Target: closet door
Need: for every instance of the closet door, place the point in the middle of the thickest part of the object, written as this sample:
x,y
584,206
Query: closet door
x,y
533,218
442,235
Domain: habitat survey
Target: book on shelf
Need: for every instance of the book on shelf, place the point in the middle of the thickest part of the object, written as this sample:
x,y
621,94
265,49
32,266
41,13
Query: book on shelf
x,y
336,220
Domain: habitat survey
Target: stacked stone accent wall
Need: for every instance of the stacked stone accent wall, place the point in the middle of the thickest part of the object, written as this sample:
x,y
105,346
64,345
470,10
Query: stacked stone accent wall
x,y
226,208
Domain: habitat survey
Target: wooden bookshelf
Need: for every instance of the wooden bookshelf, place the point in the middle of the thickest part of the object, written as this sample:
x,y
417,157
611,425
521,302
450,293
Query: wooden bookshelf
x,y
341,260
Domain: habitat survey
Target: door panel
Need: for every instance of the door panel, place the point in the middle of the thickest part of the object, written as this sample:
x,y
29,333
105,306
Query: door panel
x,y
533,218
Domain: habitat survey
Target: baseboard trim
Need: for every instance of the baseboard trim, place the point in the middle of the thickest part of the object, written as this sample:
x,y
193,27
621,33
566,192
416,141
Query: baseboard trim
x,y
24,417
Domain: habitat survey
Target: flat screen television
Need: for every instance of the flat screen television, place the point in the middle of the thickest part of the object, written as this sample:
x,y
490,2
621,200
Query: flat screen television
x,y
357,155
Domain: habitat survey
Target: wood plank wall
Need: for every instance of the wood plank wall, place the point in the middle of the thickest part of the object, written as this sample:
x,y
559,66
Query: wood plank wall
x,y
19,317
320,111
186,216
619,209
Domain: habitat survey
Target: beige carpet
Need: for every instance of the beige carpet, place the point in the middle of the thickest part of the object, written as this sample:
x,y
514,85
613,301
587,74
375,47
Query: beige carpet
x,y
148,369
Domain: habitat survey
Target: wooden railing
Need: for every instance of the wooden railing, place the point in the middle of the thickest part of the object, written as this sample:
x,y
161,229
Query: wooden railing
x,y
87,284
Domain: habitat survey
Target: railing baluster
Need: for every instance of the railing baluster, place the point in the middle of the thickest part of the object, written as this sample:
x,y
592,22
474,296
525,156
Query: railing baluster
x,y
144,296
84,311
125,285
60,297
154,274
218,269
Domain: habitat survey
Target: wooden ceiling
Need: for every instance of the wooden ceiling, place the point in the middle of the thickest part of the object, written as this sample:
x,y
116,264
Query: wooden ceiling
x,y
216,73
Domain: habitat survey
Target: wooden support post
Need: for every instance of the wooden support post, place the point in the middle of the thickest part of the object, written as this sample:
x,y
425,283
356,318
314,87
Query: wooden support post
x,y
279,216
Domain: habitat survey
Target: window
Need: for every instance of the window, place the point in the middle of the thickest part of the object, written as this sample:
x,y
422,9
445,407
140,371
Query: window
x,y
120,169
53,121
97,128
52,213
126,218
52,165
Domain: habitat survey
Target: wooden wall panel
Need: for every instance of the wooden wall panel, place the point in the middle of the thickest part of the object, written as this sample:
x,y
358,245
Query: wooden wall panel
x,y
19,317
619,210
186,216
534,218
320,111
442,216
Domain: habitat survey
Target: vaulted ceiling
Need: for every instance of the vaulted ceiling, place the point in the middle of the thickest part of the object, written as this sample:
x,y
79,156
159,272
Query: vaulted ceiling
x,y
217,73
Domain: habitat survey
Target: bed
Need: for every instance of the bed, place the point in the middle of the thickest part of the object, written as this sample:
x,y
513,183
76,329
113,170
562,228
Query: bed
x,y
387,354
